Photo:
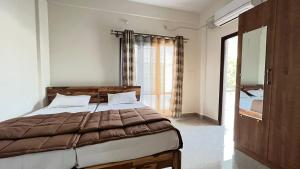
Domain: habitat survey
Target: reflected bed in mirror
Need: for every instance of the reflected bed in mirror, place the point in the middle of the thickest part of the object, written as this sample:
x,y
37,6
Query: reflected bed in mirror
x,y
251,101
253,73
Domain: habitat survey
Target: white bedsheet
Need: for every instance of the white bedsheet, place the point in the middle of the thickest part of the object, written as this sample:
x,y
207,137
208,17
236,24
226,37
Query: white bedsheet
x,y
59,159
90,108
126,149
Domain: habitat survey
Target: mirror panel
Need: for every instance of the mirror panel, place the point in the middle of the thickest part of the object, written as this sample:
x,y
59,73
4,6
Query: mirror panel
x,y
253,73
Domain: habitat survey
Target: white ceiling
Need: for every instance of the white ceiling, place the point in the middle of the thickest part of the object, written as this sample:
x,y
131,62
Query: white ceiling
x,y
195,6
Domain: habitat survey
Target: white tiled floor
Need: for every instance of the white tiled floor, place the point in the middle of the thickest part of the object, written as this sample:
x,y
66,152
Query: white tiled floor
x,y
207,146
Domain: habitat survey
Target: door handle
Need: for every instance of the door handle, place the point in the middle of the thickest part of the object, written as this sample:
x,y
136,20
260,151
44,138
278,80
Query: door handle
x,y
268,76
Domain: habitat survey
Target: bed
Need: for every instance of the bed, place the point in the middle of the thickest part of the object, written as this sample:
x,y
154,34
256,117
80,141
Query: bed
x,y
138,152
251,101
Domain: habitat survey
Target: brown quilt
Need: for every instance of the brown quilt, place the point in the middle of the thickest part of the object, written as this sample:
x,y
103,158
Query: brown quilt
x,y
119,124
40,133
9,148
70,130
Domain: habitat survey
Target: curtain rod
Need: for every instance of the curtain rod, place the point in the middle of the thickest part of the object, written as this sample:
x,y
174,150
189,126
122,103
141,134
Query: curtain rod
x,y
120,33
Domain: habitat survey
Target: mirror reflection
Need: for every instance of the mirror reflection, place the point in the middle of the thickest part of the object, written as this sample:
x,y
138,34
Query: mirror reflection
x,y
253,73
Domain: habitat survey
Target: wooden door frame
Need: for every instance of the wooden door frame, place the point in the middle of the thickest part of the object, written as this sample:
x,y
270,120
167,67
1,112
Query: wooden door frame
x,y
223,40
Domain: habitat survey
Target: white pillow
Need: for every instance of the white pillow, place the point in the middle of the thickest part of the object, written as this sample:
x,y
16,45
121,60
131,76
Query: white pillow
x,y
122,98
61,101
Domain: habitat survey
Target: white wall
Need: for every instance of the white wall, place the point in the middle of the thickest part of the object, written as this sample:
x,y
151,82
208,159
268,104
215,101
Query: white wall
x,y
82,51
210,60
19,67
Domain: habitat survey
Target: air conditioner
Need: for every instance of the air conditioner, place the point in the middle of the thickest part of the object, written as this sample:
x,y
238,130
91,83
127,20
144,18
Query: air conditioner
x,y
233,10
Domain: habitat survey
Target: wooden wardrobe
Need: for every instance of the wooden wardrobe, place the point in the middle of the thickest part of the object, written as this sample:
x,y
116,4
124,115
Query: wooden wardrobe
x,y
275,139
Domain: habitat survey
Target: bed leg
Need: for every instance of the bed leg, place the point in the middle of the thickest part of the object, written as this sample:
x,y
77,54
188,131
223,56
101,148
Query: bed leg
x,y
177,160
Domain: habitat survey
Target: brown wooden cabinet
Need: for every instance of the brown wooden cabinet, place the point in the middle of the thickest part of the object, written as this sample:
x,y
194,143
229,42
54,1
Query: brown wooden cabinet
x,y
274,140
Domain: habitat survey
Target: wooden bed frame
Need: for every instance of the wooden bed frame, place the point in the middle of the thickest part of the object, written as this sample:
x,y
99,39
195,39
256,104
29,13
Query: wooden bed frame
x,y
157,161
251,87
252,114
99,95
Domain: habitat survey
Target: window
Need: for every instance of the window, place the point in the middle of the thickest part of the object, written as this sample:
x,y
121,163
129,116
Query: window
x,y
154,71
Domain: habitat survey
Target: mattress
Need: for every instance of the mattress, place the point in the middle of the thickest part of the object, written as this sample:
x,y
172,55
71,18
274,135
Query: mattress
x,y
62,159
90,108
59,159
126,149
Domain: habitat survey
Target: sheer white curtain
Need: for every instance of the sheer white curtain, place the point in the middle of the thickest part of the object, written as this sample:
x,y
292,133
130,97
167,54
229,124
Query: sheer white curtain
x,y
154,71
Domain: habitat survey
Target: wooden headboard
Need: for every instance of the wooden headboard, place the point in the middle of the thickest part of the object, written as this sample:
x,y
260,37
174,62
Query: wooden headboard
x,y
251,87
98,94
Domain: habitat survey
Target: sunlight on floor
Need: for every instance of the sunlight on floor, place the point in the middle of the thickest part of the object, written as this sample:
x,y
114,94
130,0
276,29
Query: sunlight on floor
x,y
228,124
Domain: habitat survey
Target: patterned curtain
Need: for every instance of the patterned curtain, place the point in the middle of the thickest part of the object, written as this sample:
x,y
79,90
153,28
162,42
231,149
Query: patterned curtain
x,y
127,56
176,99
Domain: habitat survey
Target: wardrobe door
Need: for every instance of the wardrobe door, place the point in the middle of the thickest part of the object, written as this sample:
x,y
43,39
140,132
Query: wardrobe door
x,y
284,136
251,134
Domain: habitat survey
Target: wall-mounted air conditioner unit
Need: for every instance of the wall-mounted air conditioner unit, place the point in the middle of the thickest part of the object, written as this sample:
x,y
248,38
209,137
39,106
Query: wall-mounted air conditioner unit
x,y
233,10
